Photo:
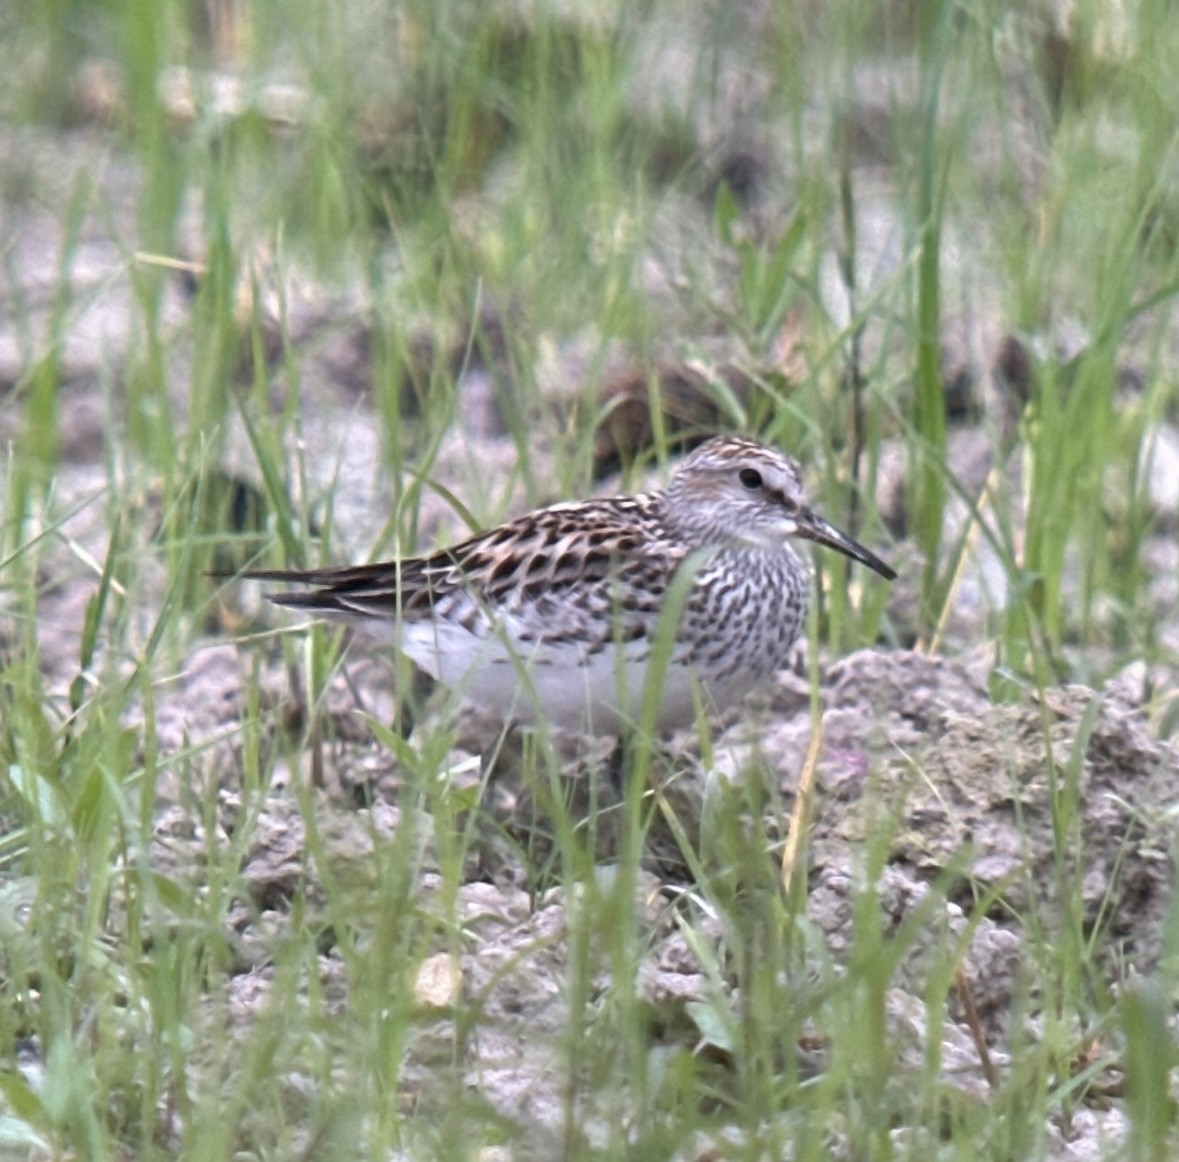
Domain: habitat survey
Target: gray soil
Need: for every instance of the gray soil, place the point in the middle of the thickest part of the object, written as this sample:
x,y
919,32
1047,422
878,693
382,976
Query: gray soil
x,y
913,748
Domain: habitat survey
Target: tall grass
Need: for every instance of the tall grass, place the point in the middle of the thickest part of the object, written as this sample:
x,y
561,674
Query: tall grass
x,y
451,157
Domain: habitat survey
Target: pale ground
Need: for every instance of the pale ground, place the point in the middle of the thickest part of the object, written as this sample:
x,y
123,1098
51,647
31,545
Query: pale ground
x,y
901,731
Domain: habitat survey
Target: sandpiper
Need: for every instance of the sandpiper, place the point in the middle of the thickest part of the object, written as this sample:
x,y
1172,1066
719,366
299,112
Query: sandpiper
x,y
555,615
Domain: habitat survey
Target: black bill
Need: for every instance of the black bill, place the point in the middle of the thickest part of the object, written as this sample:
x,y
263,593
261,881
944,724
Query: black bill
x,y
815,528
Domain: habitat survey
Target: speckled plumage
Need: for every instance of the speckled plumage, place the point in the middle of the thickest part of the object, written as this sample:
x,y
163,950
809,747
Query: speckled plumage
x,y
554,614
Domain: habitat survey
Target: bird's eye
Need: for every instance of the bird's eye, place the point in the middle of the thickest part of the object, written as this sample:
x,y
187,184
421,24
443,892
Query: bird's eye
x,y
750,477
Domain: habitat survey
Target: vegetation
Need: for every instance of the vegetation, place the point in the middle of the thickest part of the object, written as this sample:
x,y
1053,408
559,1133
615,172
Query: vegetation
x,y
830,189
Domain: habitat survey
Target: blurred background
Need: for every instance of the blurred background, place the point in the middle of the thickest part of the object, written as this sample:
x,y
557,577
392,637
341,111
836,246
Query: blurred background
x,y
287,283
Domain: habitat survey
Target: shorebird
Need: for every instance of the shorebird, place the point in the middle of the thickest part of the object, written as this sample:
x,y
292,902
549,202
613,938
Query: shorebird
x,y
555,615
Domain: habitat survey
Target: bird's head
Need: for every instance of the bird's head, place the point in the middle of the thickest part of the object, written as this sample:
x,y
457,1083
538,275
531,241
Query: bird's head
x,y
733,490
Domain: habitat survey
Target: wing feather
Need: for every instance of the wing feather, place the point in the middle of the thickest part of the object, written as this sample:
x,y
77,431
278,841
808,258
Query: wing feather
x,y
550,571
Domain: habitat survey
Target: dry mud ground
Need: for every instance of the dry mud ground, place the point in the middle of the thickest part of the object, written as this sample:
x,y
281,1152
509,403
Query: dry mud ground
x,y
912,740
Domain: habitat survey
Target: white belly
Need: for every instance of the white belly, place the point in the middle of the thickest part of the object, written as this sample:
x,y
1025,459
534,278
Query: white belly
x,y
599,694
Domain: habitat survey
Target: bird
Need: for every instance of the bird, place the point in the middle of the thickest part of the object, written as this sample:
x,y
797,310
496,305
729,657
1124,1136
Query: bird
x,y
557,615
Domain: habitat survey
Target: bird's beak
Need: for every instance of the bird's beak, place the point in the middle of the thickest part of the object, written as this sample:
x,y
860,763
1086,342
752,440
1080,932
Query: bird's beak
x,y
815,528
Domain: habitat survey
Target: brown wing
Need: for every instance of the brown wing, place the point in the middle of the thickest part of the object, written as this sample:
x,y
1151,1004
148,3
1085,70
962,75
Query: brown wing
x,y
543,560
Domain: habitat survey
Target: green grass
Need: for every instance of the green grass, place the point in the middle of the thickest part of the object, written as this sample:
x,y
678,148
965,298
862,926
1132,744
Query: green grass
x,y
456,157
